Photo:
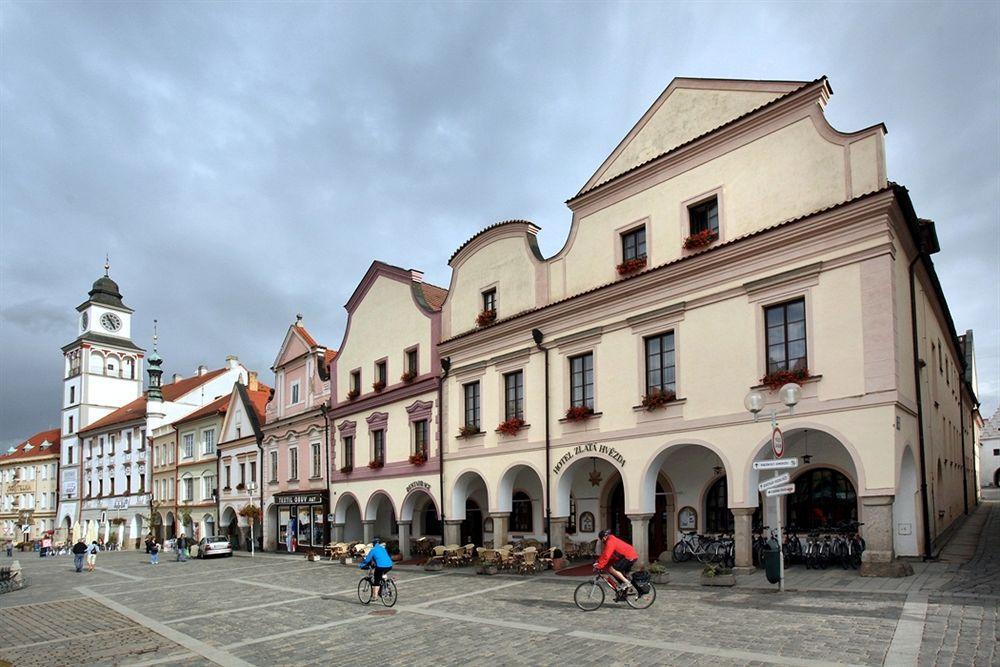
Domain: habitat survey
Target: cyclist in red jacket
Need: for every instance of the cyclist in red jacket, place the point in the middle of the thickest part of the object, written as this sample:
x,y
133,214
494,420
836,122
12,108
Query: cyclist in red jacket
x,y
617,557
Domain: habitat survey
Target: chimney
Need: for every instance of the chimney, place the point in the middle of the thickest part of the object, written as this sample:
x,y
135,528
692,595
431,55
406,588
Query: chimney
x,y
232,361
178,377
202,369
416,276
252,384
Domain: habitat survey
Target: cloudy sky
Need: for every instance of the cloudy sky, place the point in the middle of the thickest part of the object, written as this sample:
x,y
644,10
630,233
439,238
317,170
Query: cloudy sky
x,y
241,163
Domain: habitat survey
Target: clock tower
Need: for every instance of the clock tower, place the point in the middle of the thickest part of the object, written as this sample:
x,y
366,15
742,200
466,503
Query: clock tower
x,y
102,371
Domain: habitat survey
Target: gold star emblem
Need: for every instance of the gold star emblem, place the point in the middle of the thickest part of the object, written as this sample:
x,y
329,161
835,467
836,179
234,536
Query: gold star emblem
x,y
595,478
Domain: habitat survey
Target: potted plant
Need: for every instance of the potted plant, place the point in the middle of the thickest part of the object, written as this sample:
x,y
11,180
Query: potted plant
x,y
511,426
312,556
657,399
776,380
353,393
579,413
408,376
467,430
717,575
378,385
486,318
346,469
418,459
631,266
658,573
375,465
700,239
250,512
559,558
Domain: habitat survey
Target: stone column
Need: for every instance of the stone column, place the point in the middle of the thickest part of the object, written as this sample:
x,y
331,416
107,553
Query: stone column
x,y
743,520
338,533
640,536
557,531
369,531
404,539
501,522
878,559
452,531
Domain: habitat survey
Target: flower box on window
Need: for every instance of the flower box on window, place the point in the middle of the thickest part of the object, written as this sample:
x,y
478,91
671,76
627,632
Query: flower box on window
x,y
658,398
776,380
579,413
375,465
408,376
352,394
486,318
511,426
418,459
631,266
241,487
346,469
378,385
466,431
700,239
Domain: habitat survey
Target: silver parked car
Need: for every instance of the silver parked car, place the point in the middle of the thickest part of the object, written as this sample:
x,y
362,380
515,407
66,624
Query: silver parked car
x,y
217,545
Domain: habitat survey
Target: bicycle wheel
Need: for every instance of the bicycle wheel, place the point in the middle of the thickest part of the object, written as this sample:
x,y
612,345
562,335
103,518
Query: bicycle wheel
x,y
644,601
679,554
388,592
589,596
365,590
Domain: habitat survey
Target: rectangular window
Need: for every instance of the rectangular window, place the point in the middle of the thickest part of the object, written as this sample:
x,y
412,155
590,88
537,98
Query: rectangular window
x,y
70,429
253,472
581,381
72,395
274,466
378,447
189,445
996,452
229,477
472,405
188,486
293,463
490,300
786,336
514,395
69,455
111,443
100,487
660,369
411,362
142,440
208,486
295,393
420,438
634,244
356,381
243,474
316,468
705,217
380,372
100,448
128,441
349,451
208,441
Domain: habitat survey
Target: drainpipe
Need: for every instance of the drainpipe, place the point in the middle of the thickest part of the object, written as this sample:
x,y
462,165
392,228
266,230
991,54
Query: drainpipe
x,y
324,408
918,364
445,367
218,490
965,472
538,336
259,437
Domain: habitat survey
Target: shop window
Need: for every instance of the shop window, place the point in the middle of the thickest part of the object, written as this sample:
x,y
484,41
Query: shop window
x,y
514,395
521,519
786,336
581,377
718,517
823,497
661,372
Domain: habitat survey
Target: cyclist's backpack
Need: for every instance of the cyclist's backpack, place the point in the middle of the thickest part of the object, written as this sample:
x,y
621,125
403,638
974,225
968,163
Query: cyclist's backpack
x,y
641,581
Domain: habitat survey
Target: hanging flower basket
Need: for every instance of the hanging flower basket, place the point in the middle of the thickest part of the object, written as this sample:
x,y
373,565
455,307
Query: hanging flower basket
x,y
352,394
418,459
375,465
631,266
700,239
408,376
657,399
486,318
346,469
511,426
250,512
776,380
579,413
378,386
466,431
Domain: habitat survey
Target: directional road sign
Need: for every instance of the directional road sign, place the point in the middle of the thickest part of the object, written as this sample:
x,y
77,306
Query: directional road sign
x,y
773,482
779,463
781,490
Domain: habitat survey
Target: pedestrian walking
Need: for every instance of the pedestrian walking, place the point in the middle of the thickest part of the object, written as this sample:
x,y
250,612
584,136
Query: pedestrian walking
x,y
149,542
10,549
181,545
79,550
46,547
154,552
92,555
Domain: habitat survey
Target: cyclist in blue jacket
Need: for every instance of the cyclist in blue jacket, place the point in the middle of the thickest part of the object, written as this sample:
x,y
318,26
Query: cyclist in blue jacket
x,y
379,558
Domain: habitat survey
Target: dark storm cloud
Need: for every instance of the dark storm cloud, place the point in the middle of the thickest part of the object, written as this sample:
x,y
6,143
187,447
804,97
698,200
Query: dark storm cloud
x,y
241,163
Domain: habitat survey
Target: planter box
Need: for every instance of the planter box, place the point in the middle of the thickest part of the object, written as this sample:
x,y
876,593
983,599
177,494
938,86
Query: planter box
x,y
719,580
661,578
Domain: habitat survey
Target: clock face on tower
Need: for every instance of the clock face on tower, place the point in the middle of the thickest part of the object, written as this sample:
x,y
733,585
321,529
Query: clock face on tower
x,y
111,322
84,319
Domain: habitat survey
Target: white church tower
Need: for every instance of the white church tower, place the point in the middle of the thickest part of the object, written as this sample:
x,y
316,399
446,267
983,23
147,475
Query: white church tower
x,y
102,371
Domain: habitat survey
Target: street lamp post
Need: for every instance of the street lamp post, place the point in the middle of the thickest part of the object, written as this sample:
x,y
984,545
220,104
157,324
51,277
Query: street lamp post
x,y
251,487
754,403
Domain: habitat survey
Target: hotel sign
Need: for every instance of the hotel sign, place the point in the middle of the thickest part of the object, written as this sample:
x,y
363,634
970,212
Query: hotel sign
x,y
300,499
419,484
589,448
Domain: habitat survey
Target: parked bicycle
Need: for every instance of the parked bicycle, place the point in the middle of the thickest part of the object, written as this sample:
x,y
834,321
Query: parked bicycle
x,y
700,547
387,593
590,595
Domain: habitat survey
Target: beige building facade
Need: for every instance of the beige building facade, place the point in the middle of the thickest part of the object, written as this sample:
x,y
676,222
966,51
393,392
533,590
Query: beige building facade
x,y
29,488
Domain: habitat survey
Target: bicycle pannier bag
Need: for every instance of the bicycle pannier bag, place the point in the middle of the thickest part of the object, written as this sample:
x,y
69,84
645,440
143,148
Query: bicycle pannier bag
x,y
641,581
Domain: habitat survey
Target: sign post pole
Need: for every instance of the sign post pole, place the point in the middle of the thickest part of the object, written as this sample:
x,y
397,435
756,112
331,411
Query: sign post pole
x,y
781,549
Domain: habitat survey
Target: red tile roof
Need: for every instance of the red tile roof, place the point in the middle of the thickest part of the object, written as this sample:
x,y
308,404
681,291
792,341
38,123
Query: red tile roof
x,y
329,356
434,295
259,399
306,336
52,436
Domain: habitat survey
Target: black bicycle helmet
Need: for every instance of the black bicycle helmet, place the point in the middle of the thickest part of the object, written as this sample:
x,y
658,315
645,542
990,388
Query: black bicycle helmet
x,y
376,540
604,533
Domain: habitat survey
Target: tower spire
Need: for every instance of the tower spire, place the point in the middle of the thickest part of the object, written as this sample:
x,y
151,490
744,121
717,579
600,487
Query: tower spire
x,y
107,264
154,392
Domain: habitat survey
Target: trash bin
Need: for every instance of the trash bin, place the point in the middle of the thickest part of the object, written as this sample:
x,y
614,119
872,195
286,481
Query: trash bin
x,y
772,566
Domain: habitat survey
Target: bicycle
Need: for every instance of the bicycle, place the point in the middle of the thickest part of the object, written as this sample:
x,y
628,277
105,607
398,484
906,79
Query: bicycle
x,y
387,593
589,596
704,549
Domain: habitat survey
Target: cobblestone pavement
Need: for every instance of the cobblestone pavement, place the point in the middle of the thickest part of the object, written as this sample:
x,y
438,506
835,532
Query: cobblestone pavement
x,y
280,610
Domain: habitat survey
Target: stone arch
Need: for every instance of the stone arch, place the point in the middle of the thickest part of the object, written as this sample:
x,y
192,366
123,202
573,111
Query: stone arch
x,y
467,483
372,506
343,502
518,476
417,496
564,482
905,515
701,468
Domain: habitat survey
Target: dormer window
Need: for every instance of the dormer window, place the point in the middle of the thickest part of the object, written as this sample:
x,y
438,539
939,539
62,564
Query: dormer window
x,y
703,223
295,393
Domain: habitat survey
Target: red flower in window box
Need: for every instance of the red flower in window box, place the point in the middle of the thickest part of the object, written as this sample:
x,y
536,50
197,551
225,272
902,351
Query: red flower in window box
x,y
579,413
375,465
657,399
511,426
486,318
418,459
466,431
776,380
408,376
631,266
352,394
700,239
346,469
378,385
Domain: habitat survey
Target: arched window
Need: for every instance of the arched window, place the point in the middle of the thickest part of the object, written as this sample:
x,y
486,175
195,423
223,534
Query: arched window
x,y
96,363
521,514
823,497
112,366
718,518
